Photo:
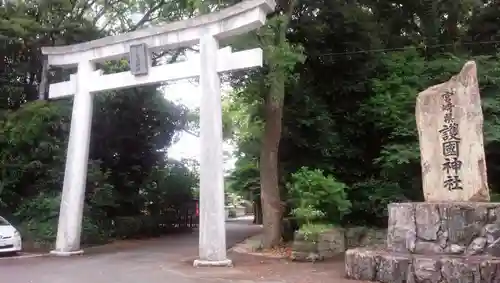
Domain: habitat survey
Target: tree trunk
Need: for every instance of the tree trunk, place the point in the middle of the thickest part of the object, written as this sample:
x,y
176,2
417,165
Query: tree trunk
x,y
257,210
270,192
272,207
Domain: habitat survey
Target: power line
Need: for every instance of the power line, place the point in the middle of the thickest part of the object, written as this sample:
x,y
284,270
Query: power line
x,y
407,48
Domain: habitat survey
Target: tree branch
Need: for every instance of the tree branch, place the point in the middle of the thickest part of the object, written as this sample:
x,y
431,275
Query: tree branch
x,y
147,16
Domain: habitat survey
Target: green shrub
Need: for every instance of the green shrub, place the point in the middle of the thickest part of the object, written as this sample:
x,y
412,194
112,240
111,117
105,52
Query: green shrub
x,y
39,217
317,198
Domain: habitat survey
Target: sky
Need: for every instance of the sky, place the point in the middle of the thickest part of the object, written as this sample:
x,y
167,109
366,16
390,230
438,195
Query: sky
x,y
186,92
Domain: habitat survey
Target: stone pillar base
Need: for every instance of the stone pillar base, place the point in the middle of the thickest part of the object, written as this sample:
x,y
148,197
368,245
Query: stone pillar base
x,y
433,242
60,253
213,263
454,228
382,266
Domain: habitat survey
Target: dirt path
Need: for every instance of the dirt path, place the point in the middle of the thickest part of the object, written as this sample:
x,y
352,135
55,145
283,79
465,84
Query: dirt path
x,y
251,268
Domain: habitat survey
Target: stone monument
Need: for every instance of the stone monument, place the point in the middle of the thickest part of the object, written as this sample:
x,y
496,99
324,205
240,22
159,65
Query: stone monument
x,y
455,235
450,115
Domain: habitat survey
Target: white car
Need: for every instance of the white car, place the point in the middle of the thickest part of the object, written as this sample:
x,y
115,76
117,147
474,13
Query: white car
x,y
10,238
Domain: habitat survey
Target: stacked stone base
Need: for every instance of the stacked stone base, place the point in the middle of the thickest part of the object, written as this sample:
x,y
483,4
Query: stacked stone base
x,y
434,243
326,245
387,267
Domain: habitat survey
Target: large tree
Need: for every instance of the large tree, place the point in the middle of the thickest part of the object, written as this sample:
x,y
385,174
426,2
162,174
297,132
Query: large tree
x,y
349,107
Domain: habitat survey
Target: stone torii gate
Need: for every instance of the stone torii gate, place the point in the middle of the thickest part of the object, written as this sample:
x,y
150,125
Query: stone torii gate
x,y
207,31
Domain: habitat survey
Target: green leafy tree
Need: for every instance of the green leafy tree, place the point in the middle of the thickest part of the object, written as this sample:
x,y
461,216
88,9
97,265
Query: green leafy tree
x,y
316,197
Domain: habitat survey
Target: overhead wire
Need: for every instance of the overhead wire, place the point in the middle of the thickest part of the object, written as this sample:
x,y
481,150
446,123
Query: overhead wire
x,y
395,49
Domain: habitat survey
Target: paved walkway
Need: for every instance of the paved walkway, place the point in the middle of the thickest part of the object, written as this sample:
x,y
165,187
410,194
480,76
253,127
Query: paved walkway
x,y
167,260
149,261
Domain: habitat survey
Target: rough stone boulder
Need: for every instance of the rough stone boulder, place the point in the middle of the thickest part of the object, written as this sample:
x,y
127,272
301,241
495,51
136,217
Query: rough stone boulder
x,y
464,228
327,244
385,267
446,242
360,236
450,128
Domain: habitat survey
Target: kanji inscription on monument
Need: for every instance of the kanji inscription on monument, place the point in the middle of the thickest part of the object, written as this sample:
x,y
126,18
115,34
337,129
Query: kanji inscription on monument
x,y
450,127
450,143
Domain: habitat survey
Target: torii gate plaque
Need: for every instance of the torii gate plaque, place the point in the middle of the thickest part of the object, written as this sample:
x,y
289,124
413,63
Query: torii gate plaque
x,y
139,59
206,31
